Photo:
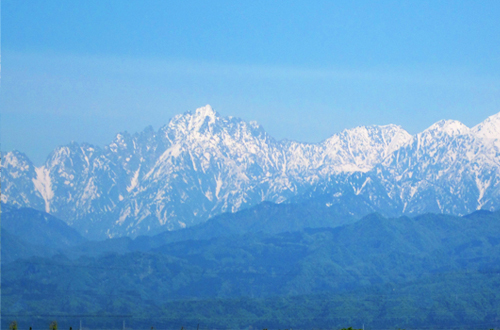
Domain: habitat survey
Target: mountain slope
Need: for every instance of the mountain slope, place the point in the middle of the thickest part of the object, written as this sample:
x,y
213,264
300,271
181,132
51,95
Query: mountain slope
x,y
201,164
369,259
28,232
39,228
448,169
196,166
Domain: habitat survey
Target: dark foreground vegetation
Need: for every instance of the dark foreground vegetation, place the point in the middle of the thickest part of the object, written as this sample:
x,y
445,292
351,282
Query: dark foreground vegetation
x,y
54,326
431,271
423,304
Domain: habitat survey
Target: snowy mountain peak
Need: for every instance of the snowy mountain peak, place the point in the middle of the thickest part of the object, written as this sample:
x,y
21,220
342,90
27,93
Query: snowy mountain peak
x,y
16,159
449,127
384,131
203,118
361,148
489,129
205,111
201,164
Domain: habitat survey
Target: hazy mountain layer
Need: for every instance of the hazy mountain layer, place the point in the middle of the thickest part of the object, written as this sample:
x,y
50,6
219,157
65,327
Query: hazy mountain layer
x,y
431,269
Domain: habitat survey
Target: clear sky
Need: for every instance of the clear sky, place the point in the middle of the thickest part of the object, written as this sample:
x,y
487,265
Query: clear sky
x,y
86,70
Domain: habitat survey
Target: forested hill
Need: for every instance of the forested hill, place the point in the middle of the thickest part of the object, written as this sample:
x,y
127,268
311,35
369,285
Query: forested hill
x,y
423,265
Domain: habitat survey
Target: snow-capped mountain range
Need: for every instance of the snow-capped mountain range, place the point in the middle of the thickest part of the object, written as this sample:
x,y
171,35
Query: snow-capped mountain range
x,y
201,164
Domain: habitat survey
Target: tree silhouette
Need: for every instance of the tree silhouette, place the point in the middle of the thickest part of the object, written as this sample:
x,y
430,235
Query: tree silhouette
x,y
13,325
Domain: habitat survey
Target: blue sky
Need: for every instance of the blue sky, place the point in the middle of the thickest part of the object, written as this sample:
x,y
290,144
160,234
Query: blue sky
x,y
85,70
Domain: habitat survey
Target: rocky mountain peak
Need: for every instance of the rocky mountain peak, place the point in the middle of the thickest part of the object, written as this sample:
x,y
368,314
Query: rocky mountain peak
x,y
202,164
205,111
490,128
363,147
448,127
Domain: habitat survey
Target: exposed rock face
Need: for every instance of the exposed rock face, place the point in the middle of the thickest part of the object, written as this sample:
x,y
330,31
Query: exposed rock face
x,y
201,164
